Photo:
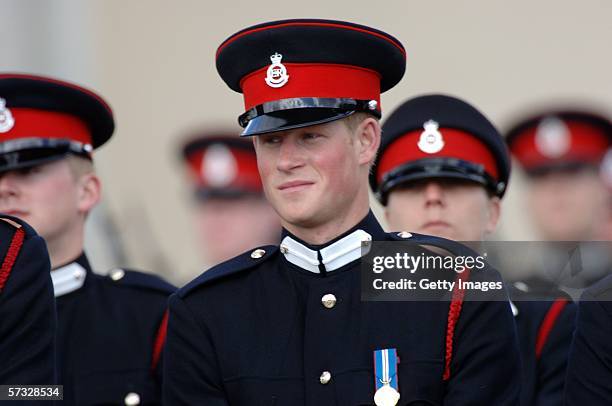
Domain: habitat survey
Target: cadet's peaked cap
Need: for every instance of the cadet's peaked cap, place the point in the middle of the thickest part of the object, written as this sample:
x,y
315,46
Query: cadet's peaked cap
x,y
558,139
42,119
222,165
439,136
296,73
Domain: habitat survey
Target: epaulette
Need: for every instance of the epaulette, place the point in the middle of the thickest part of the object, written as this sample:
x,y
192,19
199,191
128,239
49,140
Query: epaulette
x,y
452,246
14,223
139,280
601,290
237,264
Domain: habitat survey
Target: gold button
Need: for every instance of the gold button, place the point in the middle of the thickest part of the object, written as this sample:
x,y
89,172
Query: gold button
x,y
132,399
284,249
404,234
325,378
258,253
328,300
117,274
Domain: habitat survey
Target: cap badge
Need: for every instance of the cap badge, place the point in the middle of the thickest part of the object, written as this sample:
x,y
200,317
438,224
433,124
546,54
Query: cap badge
x,y
431,140
276,75
552,138
219,166
6,118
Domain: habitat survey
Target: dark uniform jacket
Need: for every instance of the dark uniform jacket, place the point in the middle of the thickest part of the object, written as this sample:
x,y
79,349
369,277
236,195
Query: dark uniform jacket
x,y
589,371
27,308
253,331
110,334
545,329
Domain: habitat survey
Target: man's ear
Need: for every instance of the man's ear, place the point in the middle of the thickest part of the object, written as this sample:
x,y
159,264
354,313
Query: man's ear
x,y
89,192
494,212
368,135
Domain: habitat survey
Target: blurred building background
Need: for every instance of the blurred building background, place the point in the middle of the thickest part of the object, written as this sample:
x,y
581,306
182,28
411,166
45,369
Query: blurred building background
x,y
153,61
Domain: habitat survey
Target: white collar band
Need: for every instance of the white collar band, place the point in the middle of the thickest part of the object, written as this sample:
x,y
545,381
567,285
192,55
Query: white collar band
x,y
334,256
68,278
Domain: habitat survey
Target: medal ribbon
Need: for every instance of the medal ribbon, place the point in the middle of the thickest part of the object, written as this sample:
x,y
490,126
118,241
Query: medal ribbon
x,y
385,368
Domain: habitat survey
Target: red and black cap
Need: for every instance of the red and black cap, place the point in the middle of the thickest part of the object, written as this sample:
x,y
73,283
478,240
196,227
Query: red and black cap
x,y
439,136
43,119
296,73
222,165
560,139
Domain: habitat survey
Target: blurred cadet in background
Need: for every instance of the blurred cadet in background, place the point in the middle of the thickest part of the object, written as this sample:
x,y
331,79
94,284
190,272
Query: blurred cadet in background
x,y
443,169
231,212
110,328
27,307
561,151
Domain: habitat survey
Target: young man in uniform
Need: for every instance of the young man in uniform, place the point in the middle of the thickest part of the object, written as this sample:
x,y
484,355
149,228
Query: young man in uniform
x,y
110,328
231,212
286,325
27,307
442,169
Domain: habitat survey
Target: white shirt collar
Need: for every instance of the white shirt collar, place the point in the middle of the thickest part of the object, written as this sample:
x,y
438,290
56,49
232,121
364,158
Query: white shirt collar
x,y
68,278
334,256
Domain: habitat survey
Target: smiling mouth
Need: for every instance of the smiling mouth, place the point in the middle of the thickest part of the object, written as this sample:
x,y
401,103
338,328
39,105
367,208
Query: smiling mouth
x,y
294,186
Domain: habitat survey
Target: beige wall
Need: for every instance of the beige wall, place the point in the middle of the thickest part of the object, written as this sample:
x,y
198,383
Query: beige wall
x,y
154,61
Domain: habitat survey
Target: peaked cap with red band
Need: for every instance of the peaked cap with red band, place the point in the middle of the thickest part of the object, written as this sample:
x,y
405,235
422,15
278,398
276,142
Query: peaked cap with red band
x,y
43,119
439,136
222,165
296,73
560,139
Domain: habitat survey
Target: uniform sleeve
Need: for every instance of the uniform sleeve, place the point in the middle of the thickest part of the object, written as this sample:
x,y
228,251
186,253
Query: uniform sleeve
x,y
589,370
191,373
28,319
485,368
552,364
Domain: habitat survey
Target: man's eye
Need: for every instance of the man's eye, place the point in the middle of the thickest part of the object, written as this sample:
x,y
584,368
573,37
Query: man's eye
x,y
271,140
311,136
29,170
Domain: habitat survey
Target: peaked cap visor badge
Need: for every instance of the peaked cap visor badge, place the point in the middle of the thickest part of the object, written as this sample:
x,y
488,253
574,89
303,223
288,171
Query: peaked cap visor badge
x,y
439,136
297,73
560,139
43,119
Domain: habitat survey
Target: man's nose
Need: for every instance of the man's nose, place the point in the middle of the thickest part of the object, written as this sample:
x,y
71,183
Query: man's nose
x,y
289,156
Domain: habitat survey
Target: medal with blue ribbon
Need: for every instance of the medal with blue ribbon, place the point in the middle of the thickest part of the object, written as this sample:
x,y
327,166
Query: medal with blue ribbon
x,y
385,375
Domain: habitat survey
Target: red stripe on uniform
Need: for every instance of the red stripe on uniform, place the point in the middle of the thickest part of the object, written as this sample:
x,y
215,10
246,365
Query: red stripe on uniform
x,y
453,317
160,340
35,123
548,324
313,80
11,256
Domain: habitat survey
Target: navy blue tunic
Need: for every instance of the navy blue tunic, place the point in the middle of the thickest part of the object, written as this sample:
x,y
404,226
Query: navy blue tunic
x,y
253,331
27,308
107,335
589,371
